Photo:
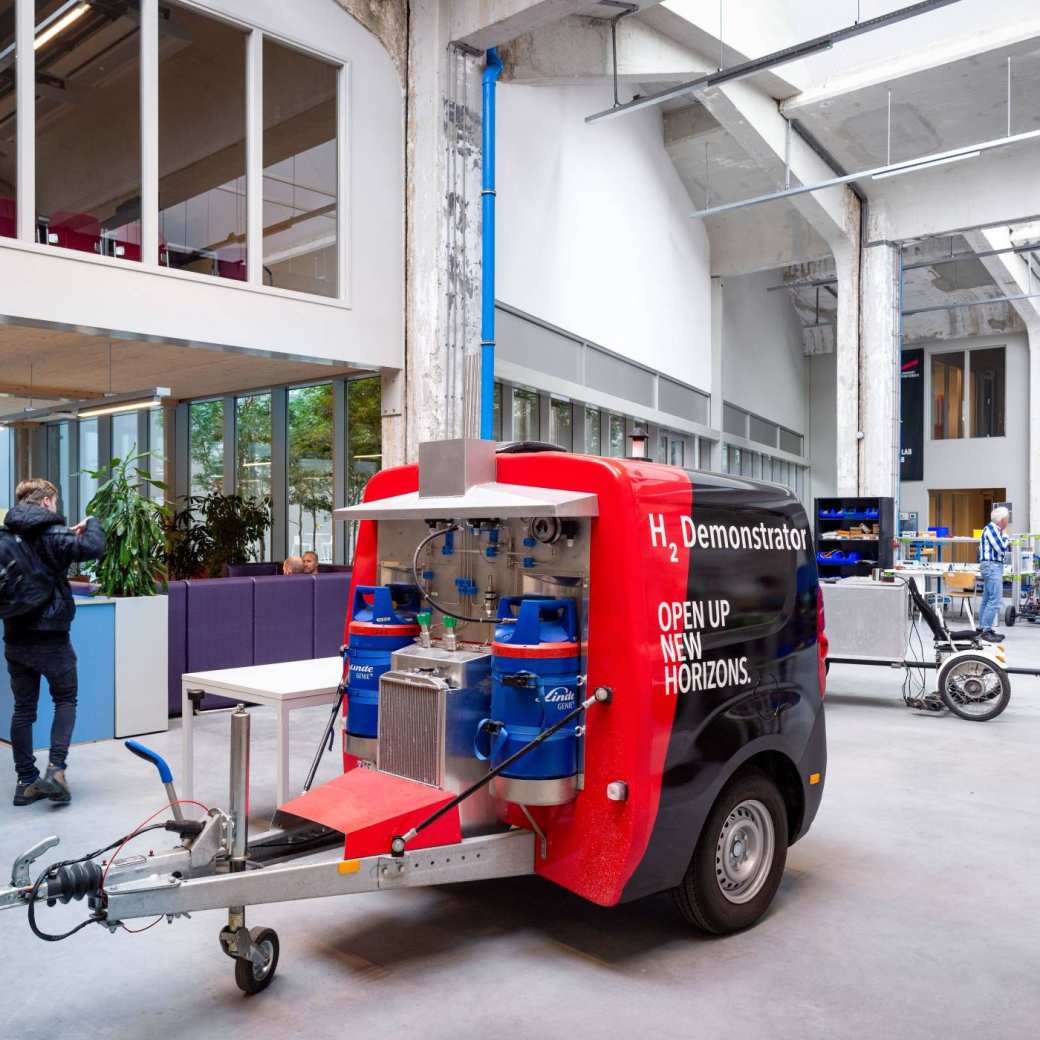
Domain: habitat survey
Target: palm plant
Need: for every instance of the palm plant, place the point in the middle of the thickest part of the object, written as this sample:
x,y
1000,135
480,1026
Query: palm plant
x,y
134,563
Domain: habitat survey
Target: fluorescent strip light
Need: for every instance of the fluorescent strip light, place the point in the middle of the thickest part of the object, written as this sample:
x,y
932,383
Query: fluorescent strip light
x,y
914,167
133,406
60,25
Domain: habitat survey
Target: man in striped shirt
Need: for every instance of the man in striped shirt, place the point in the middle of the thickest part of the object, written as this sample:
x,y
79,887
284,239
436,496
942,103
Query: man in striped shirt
x,y
993,547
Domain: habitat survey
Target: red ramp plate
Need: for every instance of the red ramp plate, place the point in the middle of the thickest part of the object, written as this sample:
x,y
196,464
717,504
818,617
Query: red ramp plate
x,y
370,808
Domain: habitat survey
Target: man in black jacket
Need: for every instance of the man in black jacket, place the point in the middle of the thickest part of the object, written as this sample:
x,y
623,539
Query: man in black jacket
x,y
37,643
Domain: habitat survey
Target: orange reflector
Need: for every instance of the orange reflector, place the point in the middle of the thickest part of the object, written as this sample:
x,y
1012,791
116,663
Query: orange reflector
x,y
814,778
350,866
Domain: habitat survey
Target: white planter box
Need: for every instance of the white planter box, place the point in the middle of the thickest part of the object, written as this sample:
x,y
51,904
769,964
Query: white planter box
x,y
140,667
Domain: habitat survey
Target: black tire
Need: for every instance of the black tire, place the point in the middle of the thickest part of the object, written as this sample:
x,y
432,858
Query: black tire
x,y
959,693
1009,617
249,977
701,896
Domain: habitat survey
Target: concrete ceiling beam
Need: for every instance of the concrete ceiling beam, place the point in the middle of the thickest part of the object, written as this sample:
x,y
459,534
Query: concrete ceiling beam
x,y
578,50
994,44
481,24
1010,272
753,120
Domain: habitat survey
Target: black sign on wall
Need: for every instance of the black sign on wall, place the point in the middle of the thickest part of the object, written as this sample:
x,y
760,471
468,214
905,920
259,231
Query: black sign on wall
x,y
911,415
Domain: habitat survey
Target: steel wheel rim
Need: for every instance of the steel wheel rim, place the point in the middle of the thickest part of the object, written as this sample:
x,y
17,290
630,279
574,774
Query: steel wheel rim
x,y
266,949
744,851
973,686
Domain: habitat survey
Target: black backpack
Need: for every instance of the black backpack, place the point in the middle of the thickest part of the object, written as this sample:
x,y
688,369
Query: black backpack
x,y
25,584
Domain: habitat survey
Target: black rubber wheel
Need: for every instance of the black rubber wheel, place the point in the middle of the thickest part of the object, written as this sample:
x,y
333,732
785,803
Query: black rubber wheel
x,y
253,978
974,688
739,859
1009,616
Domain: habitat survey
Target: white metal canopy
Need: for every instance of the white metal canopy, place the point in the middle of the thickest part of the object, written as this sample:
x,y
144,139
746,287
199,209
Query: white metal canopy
x,y
481,501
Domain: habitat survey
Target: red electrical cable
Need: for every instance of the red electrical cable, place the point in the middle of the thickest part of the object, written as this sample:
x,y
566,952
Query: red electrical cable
x,y
133,834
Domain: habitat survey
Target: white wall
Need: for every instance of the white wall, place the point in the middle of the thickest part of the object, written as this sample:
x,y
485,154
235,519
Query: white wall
x,y
763,369
143,301
821,435
978,462
594,233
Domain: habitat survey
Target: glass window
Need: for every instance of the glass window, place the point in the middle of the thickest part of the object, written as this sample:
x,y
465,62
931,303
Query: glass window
x,y
947,396
560,423
617,437
88,126
365,436
8,127
253,452
987,392
704,453
309,475
124,434
496,413
88,459
725,458
677,451
300,171
6,468
662,448
206,446
59,469
592,430
526,415
202,144
157,447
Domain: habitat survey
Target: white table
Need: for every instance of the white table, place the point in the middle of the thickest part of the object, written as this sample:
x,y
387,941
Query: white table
x,y
287,685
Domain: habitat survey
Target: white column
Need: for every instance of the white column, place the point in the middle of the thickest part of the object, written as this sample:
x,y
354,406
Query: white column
x,y
255,158
879,371
25,87
149,131
847,389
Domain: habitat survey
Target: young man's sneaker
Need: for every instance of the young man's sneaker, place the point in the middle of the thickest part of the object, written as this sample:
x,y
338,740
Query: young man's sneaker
x,y
56,776
993,637
41,787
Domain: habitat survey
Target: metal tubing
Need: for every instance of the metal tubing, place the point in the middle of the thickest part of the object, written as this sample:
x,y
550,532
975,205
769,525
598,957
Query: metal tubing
x,y
238,799
492,71
776,58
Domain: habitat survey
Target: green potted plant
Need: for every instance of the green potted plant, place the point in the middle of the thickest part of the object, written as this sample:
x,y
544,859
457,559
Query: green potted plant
x,y
132,573
213,530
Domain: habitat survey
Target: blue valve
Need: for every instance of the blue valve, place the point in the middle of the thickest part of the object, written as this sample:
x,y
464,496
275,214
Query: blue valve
x,y
449,544
529,542
529,561
428,575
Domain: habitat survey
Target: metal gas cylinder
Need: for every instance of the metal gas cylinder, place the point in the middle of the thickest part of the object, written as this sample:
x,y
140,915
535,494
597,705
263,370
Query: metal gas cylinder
x,y
534,682
382,621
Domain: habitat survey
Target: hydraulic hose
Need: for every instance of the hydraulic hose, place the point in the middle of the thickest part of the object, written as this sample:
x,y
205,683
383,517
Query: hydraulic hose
x,y
418,582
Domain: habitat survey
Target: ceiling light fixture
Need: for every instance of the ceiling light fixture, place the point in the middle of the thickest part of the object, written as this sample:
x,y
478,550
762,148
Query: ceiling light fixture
x,y
914,167
60,25
115,409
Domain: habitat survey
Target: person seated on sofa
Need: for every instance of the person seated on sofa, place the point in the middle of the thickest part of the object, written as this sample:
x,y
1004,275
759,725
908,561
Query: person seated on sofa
x,y
310,562
292,565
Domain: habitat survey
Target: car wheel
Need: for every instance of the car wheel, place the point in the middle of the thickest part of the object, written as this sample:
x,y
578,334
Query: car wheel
x,y
739,859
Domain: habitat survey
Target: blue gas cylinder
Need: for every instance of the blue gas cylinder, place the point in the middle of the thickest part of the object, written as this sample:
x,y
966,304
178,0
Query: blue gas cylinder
x,y
534,683
382,621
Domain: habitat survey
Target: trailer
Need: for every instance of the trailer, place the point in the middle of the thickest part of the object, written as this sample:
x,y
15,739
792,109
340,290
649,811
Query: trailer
x,y
606,672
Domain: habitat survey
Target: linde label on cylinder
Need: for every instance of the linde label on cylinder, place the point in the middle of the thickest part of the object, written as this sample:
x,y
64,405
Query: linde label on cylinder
x,y
382,621
534,682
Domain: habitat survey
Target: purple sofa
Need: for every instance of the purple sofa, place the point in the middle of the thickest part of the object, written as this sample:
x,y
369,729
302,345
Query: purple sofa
x,y
232,622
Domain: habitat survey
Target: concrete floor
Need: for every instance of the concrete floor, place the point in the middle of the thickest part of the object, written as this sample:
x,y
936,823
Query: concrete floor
x,y
909,911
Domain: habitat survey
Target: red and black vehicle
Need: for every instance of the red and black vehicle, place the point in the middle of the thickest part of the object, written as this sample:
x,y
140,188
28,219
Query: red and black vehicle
x,y
617,684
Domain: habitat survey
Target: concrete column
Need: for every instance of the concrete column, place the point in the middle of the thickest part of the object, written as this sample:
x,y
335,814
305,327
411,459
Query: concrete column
x,y
392,415
846,349
443,249
880,331
715,418
1033,332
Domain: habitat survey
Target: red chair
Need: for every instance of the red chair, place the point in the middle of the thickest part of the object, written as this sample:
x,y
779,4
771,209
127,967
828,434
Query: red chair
x,y
231,263
8,218
79,231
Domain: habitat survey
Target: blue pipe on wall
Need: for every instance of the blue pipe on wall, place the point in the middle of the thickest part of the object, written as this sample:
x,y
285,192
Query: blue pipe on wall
x,y
487,248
